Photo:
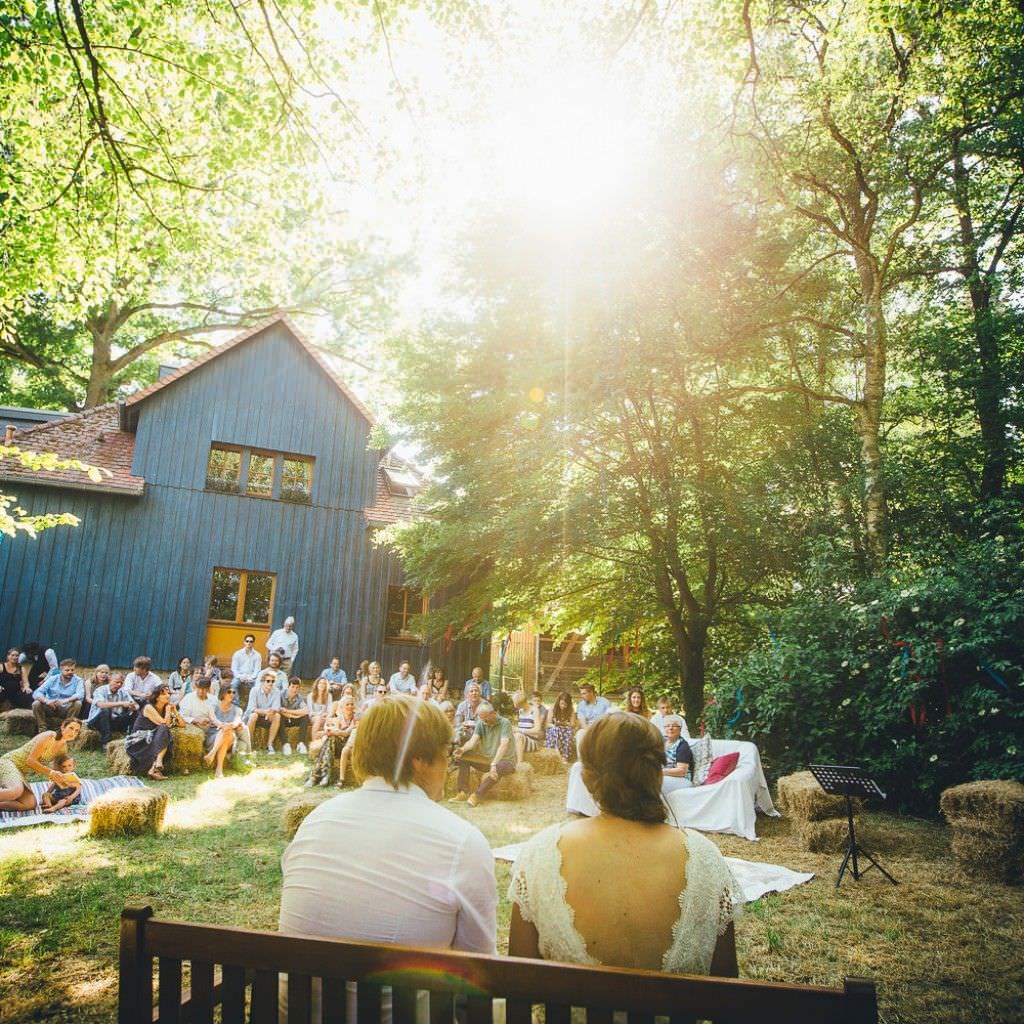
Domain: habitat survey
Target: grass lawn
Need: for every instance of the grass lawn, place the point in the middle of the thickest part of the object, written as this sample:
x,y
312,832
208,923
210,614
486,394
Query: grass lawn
x,y
940,948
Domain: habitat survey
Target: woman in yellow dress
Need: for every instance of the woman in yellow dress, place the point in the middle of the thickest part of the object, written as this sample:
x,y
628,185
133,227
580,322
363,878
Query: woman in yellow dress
x,y
15,792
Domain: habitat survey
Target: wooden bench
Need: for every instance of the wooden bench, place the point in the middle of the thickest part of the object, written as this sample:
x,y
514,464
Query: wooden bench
x,y
250,962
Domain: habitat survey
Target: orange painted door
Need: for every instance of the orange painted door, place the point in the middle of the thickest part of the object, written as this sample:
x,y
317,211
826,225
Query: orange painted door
x,y
241,602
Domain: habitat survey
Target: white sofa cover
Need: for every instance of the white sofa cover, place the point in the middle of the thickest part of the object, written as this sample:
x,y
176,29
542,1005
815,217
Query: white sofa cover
x,y
727,806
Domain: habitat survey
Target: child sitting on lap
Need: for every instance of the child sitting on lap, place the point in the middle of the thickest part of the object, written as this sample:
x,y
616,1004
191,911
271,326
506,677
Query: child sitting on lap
x,y
57,797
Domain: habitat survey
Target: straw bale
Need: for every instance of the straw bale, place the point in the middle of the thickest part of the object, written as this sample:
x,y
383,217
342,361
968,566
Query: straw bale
x,y
299,807
998,802
118,760
986,854
134,811
88,739
17,722
827,836
802,798
517,786
546,761
187,750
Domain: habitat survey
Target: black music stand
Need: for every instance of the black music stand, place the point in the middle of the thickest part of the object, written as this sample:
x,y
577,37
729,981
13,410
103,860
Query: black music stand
x,y
845,780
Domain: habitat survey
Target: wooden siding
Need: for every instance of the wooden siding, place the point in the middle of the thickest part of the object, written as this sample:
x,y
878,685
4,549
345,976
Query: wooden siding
x,y
134,577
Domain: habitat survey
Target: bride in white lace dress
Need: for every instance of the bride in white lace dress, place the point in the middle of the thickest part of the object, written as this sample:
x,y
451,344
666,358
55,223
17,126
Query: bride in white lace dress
x,y
625,889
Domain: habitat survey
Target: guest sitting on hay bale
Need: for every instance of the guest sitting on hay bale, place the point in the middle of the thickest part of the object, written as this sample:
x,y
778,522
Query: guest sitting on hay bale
x,y
339,730
223,734
140,682
532,722
560,732
263,715
100,677
197,706
15,792
112,708
319,704
59,795
492,738
466,712
149,744
294,718
59,698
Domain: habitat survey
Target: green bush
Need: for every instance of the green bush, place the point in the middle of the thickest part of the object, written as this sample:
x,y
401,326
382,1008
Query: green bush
x,y
896,674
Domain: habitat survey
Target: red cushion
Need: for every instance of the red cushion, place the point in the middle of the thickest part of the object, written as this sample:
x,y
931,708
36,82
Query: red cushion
x,y
722,766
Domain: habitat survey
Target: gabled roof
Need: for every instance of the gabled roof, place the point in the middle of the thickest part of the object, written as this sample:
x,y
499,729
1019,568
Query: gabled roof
x,y
240,339
92,437
388,506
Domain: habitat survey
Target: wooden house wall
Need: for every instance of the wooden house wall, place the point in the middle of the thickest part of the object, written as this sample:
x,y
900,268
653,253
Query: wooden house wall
x,y
135,576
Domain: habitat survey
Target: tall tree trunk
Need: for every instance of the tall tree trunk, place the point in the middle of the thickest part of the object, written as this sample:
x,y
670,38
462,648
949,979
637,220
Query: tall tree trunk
x,y
101,373
988,383
692,676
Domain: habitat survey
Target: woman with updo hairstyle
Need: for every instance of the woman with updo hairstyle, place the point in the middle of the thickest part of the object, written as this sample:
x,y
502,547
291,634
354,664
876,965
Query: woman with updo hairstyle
x,y
577,895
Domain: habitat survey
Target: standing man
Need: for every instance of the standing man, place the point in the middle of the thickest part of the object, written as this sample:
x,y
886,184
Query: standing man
x,y
477,676
59,698
285,640
112,708
264,710
402,681
496,755
335,676
246,665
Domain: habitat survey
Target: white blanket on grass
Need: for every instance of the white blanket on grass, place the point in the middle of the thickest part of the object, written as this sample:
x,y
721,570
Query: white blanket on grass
x,y
91,788
754,879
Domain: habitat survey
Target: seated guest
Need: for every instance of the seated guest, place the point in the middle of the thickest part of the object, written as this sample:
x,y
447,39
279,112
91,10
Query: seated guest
x,y
140,682
466,712
14,690
113,708
36,664
197,706
477,677
57,796
372,680
59,698
274,663
319,704
636,703
339,729
375,695
356,868
294,717
678,757
667,710
335,676
531,726
438,686
590,708
223,734
490,750
263,713
149,744
100,677
246,664
403,680
560,732
676,915
15,792
178,680
211,671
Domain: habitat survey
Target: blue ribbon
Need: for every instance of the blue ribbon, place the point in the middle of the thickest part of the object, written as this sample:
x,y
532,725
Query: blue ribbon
x,y
739,707
991,672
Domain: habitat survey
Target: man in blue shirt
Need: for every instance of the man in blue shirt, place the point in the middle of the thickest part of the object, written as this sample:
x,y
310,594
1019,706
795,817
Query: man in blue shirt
x,y
264,710
590,708
477,676
335,676
403,681
112,708
59,698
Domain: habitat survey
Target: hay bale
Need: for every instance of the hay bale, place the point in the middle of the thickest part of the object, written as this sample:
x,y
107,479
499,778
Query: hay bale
x,y
999,802
118,760
299,807
986,854
828,836
187,750
546,761
132,811
517,786
800,797
17,722
88,739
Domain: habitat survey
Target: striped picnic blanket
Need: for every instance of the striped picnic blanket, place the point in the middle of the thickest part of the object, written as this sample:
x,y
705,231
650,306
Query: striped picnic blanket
x,y
91,788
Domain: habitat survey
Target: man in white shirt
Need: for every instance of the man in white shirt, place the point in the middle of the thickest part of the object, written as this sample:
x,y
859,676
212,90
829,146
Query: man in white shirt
x,y
287,640
666,710
140,682
246,664
197,706
403,680
386,863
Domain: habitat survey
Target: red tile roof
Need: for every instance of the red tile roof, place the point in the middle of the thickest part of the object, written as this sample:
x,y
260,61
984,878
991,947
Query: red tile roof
x,y
287,323
387,507
91,436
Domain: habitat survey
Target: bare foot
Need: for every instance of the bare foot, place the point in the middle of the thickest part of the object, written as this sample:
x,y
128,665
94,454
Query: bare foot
x,y
209,758
219,773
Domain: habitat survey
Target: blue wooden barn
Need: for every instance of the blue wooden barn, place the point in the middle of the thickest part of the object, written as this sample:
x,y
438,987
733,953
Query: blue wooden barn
x,y
242,489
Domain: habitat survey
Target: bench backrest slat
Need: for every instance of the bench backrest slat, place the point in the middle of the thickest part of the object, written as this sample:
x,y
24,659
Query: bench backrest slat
x,y
233,1001
522,983
170,990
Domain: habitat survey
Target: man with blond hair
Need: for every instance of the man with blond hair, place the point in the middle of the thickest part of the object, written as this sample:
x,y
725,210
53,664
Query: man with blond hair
x,y
386,863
